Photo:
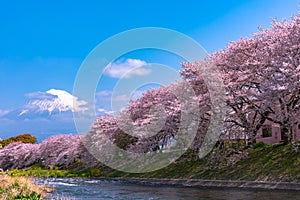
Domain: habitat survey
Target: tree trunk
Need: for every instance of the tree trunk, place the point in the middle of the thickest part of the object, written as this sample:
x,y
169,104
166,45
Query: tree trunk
x,y
285,134
251,138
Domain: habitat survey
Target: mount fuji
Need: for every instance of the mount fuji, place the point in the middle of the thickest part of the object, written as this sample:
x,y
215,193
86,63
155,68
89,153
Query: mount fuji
x,y
45,113
46,105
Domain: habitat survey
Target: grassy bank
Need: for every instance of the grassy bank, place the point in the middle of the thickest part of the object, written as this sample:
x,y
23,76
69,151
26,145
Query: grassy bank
x,y
276,162
265,163
20,188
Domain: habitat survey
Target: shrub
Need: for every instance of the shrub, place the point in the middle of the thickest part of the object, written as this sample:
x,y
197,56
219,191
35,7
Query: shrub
x,y
95,172
24,138
259,145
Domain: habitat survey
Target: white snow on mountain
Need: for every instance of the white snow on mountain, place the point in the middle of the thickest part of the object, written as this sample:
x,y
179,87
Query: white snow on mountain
x,y
43,104
62,101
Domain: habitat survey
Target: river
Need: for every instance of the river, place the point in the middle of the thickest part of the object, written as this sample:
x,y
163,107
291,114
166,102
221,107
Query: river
x,y
71,188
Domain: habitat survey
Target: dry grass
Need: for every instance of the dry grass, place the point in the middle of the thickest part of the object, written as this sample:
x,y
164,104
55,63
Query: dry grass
x,y
13,186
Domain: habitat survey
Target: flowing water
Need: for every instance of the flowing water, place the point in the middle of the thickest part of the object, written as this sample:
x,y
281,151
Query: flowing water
x,y
70,188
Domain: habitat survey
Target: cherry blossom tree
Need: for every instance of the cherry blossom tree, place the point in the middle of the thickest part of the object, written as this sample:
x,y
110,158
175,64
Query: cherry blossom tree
x,y
281,79
247,106
62,151
154,121
262,79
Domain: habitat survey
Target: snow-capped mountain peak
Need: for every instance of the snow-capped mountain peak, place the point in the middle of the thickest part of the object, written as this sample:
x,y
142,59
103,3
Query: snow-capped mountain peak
x,y
61,101
48,103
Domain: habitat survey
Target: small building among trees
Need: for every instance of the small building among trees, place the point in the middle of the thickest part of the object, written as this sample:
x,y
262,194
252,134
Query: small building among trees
x,y
271,133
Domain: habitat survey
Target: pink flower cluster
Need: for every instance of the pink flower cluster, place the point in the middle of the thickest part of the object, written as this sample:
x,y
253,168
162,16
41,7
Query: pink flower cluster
x,y
61,151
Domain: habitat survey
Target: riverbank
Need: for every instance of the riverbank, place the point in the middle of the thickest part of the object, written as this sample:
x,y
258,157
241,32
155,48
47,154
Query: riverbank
x,y
270,164
20,188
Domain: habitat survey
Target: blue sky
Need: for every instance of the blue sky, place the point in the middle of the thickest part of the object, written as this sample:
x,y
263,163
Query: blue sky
x,y
43,43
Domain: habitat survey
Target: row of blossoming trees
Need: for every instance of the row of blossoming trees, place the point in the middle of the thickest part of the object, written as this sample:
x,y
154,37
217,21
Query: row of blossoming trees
x,y
261,76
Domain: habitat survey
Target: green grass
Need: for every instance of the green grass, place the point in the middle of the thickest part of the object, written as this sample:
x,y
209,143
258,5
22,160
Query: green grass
x,y
276,162
20,188
38,170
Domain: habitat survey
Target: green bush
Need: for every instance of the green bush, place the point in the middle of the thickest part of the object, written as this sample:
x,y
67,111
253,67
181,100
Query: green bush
x,y
259,145
25,138
95,172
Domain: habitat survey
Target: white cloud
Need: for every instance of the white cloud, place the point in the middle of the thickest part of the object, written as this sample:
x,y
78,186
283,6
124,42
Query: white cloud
x,y
104,93
123,97
3,112
107,96
127,69
102,111
106,99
